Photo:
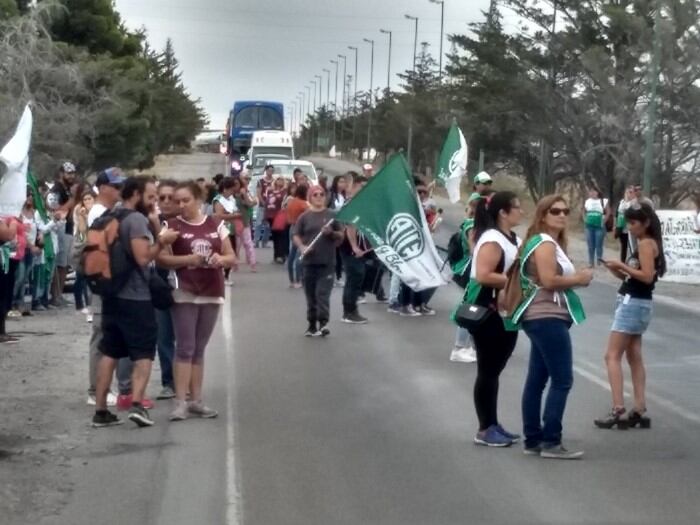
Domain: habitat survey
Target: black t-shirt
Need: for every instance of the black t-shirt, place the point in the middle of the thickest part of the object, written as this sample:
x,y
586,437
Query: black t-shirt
x,y
62,196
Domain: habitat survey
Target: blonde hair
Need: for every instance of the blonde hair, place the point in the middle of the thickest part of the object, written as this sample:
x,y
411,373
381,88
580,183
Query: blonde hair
x,y
537,226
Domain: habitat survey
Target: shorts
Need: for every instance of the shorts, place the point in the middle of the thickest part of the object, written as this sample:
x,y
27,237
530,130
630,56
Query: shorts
x,y
65,248
632,316
129,329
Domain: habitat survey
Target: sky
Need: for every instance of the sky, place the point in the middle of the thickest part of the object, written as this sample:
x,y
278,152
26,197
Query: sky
x,y
270,49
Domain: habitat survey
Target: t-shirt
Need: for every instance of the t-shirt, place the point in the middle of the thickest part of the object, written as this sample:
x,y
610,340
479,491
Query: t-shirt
x,y
61,194
135,226
295,208
308,226
621,222
263,185
595,211
273,202
97,211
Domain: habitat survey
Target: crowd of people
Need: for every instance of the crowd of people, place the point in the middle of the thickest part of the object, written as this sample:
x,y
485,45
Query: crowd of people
x,y
181,241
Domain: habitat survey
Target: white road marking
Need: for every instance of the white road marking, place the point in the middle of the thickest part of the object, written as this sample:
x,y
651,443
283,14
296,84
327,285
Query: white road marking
x,y
654,398
233,516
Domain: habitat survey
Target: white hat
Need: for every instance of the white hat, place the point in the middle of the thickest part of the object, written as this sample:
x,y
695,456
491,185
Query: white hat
x,y
368,167
482,178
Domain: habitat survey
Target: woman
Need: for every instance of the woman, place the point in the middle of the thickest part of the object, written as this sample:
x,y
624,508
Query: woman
x,y
274,197
495,251
338,193
199,255
633,314
8,235
24,266
298,205
548,310
246,203
316,236
621,232
81,292
463,351
595,215
225,209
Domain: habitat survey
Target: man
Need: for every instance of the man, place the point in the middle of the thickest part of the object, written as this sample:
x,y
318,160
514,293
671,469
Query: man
x,y
353,250
483,183
108,184
262,228
61,200
128,319
640,198
368,171
298,175
166,333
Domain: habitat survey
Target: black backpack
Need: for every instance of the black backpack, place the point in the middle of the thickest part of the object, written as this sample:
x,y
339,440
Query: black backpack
x,y
455,248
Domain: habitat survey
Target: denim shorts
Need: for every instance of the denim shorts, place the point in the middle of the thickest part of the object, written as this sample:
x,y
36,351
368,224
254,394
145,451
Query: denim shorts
x,y
632,316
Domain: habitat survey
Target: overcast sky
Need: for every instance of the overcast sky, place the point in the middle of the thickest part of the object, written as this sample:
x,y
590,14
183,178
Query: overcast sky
x,y
269,49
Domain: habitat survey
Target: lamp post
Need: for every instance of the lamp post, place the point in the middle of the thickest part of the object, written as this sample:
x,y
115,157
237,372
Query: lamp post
x,y
354,98
388,69
653,89
371,87
409,146
344,108
335,100
328,99
442,28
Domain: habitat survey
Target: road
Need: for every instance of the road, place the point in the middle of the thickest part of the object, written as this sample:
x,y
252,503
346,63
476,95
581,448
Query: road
x,y
373,426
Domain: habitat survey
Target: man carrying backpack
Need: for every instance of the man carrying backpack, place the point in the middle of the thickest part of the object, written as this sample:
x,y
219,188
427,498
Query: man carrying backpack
x,y
128,317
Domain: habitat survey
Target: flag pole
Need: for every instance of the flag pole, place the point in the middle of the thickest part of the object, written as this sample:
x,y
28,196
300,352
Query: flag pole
x,y
316,239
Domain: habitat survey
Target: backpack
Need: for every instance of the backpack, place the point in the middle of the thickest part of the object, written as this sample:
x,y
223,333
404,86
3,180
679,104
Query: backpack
x,y
106,261
455,248
513,292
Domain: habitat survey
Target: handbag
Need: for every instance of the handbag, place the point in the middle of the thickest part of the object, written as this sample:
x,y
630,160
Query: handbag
x,y
472,316
161,290
279,222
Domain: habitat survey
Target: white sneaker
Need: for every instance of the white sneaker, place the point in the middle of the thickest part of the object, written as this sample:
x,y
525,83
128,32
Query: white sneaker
x,y
111,400
85,311
229,282
463,355
89,318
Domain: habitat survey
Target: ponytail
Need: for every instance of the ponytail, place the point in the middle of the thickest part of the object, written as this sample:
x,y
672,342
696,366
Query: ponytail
x,y
488,210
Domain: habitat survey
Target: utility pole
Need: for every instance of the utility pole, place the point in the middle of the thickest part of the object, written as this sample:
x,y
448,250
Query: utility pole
x,y
410,119
388,69
344,107
354,99
653,88
545,154
371,88
442,29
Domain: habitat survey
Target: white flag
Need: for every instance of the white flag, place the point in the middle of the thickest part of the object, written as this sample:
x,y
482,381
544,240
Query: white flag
x,y
15,156
452,165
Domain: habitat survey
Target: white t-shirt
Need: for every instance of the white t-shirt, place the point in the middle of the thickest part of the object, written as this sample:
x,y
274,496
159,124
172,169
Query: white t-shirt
x,y
509,249
97,211
567,267
595,205
229,203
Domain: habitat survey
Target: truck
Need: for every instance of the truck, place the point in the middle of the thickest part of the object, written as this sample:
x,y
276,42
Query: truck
x,y
267,146
246,118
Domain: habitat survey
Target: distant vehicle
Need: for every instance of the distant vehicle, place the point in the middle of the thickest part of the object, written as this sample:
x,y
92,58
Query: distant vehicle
x,y
267,146
286,169
246,118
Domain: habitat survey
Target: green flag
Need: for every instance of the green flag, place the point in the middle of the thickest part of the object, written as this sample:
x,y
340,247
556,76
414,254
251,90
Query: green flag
x,y
452,165
387,212
41,208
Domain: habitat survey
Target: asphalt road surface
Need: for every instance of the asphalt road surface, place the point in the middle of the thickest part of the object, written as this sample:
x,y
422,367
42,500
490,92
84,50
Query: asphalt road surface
x,y
374,425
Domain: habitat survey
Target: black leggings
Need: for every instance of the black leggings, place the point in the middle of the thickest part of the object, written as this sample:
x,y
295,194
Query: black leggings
x,y
494,346
7,284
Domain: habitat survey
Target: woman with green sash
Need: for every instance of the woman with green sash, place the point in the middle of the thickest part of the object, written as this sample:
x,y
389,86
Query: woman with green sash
x,y
549,308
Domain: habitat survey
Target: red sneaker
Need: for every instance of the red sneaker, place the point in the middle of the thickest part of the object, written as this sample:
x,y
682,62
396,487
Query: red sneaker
x,y
124,402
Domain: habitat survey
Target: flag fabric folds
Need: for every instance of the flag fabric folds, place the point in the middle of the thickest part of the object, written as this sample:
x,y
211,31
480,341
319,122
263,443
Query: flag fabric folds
x,y
15,157
387,212
452,165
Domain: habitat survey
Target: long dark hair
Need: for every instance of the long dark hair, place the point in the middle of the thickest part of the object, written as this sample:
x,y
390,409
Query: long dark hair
x,y
334,184
645,214
488,208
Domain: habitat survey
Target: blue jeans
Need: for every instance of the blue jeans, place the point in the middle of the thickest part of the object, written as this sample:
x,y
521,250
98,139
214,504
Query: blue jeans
x,y
550,360
166,347
595,238
294,264
262,228
81,292
463,338
22,276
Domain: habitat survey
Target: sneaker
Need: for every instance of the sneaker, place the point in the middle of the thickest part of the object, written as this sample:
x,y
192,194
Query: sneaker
x,y
8,339
14,314
408,311
362,300
85,311
27,313
559,452
39,308
424,309
111,400
89,318
513,437
339,283
229,282
297,286
324,331
180,412
311,331
382,300
199,409
463,355
491,437
139,415
354,318
105,418
394,309
254,268
166,393
532,451
124,402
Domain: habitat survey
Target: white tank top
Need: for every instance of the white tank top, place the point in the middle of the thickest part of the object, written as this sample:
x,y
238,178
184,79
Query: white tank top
x,y
509,249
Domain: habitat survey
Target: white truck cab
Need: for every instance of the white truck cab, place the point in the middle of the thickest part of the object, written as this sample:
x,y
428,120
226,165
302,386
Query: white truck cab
x,y
268,145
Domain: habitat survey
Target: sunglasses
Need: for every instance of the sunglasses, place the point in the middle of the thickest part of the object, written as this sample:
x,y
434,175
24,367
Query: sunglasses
x,y
163,198
556,212
486,183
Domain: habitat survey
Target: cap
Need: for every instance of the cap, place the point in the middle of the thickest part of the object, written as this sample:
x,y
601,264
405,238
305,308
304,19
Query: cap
x,y
482,178
474,197
110,176
68,167
368,167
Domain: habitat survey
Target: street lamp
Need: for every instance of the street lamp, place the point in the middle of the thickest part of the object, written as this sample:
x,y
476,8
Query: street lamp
x,y
335,100
328,88
388,69
344,108
415,39
442,28
354,99
409,146
371,87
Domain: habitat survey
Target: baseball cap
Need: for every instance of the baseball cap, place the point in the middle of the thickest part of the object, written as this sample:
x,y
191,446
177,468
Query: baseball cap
x,y
474,197
482,178
68,167
110,177
368,167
